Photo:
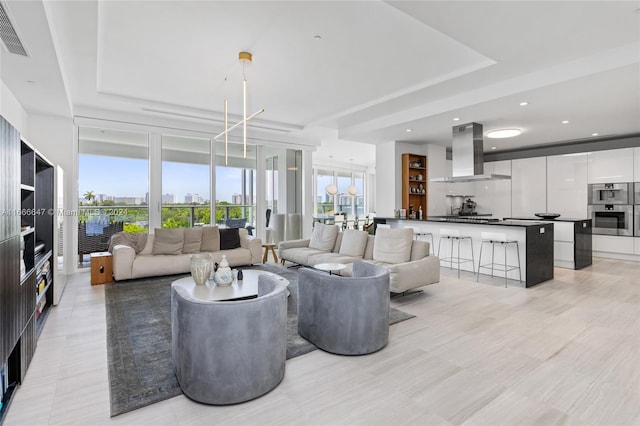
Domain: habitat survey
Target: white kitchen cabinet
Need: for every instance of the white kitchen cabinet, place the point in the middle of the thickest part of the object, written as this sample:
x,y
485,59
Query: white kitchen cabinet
x,y
636,164
567,185
528,186
613,244
614,165
494,196
636,242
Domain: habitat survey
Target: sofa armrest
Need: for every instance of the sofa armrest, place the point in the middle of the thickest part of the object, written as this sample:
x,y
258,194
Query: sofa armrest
x,y
123,257
416,273
284,245
255,247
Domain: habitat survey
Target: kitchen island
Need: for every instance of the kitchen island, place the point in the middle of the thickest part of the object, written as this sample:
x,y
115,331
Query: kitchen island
x,y
572,241
535,242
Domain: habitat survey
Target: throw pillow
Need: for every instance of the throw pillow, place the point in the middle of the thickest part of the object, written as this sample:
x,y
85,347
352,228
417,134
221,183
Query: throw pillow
x,y
168,241
393,245
323,237
229,238
353,242
192,240
210,239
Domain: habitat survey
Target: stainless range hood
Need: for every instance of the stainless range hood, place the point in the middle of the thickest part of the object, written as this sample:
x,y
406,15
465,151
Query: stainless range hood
x,y
468,156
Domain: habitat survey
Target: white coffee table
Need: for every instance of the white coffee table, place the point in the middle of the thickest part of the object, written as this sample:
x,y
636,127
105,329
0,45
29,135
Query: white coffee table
x,y
330,267
238,290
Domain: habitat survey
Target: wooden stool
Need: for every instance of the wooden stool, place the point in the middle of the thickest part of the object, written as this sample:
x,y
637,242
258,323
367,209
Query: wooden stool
x,y
269,247
101,268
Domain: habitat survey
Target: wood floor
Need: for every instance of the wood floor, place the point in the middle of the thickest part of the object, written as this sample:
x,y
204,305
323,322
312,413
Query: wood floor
x,y
564,352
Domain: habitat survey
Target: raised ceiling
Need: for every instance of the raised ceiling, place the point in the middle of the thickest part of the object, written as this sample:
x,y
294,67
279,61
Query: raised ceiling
x,y
362,71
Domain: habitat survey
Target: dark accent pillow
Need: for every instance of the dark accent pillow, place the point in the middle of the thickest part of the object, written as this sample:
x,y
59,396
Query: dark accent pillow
x,y
229,238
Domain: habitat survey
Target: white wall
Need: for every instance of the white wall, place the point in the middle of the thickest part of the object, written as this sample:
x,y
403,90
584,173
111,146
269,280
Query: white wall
x,y
436,167
386,181
11,109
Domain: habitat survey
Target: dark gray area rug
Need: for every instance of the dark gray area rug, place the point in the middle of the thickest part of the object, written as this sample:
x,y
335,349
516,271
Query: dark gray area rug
x,y
139,338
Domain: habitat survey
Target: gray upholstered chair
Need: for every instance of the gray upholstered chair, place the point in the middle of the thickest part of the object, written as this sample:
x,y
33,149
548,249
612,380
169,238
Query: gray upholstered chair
x,y
345,315
231,351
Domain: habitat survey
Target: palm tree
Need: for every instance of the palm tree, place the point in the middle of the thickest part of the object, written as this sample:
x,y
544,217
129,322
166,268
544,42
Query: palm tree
x,y
89,196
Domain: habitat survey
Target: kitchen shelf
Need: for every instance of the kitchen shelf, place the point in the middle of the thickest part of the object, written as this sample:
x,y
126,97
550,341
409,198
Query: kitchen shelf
x,y
410,180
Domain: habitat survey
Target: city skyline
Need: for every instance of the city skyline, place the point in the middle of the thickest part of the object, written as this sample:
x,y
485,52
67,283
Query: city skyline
x,y
129,178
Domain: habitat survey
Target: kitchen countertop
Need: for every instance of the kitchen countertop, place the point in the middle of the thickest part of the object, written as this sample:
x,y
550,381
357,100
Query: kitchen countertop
x,y
467,220
539,219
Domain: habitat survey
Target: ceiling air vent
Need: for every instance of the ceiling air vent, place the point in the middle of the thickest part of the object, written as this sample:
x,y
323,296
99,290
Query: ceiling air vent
x,y
8,34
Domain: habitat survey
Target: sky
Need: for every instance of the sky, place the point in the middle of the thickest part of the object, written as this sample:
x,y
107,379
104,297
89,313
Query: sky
x,y
126,177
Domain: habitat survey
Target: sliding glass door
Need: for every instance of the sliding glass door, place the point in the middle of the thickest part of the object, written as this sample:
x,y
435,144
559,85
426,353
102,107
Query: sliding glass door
x,y
113,187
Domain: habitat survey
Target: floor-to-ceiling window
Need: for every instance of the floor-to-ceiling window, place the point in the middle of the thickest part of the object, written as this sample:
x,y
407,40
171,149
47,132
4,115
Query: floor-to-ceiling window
x,y
113,186
235,183
185,182
342,201
359,198
324,200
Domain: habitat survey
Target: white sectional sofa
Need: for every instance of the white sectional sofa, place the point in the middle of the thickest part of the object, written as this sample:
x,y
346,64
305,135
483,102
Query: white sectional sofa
x,y
171,253
407,260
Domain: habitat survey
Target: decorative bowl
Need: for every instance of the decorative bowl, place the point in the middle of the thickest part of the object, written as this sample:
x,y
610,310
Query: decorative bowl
x,y
548,215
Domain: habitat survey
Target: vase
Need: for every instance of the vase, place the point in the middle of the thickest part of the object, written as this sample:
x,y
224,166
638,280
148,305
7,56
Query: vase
x,y
223,276
200,268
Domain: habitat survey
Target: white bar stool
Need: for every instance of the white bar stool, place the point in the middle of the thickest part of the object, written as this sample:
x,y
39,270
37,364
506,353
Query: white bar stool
x,y
454,235
498,238
417,234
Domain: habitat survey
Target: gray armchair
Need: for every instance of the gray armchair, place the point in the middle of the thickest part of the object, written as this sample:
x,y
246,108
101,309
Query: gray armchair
x,y
345,315
231,351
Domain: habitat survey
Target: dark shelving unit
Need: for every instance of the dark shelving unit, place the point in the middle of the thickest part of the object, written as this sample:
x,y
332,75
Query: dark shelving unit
x,y
26,248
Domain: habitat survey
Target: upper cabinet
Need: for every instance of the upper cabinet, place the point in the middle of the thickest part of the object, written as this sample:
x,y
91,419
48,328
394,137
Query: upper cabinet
x,y
615,165
567,185
528,186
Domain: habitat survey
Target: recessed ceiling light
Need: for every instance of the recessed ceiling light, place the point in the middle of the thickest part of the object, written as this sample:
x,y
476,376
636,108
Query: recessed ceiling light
x,y
456,119
565,121
31,82
317,37
637,11
594,134
504,133
524,103
409,130
493,147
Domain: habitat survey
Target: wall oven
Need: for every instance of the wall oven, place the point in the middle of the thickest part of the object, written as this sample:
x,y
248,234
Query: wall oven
x,y
611,219
609,193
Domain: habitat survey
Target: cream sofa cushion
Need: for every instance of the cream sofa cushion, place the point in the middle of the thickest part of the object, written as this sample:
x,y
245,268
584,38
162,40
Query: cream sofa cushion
x,y
168,241
192,240
393,245
210,239
353,242
323,237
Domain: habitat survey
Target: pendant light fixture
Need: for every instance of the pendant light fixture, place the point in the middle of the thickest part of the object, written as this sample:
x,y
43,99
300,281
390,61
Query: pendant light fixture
x,y
351,189
331,189
245,58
